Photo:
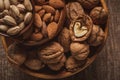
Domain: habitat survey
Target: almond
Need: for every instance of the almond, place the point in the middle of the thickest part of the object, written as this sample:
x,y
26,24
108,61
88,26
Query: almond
x,y
38,8
52,29
38,21
57,15
49,9
47,17
57,3
44,30
41,13
36,36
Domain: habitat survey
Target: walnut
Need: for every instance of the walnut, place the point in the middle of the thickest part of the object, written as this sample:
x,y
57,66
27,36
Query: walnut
x,y
64,39
99,15
81,29
79,51
89,4
17,54
59,65
51,53
34,64
73,65
74,10
97,36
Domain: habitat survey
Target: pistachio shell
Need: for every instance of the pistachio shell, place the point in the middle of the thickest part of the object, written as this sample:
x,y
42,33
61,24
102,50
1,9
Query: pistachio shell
x,y
28,18
21,7
14,2
9,21
7,4
15,10
3,28
13,30
1,5
28,5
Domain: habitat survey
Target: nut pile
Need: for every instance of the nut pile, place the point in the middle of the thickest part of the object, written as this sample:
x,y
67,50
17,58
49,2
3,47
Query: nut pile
x,y
47,19
15,15
82,31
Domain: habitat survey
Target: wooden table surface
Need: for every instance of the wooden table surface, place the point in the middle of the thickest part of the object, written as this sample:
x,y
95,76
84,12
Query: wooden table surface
x,y
105,67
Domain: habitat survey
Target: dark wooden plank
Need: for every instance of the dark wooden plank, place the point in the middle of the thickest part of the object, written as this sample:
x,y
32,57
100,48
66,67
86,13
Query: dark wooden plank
x,y
105,67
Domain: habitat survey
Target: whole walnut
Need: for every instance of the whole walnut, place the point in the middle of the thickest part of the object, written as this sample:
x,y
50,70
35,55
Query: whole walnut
x,y
97,36
79,51
74,10
89,4
17,54
64,39
99,15
73,65
59,65
80,29
51,53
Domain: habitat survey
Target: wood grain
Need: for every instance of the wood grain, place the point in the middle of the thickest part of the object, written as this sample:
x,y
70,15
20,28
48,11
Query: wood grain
x,y
105,67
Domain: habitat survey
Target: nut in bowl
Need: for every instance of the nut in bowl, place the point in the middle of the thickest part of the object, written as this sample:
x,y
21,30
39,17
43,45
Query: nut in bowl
x,y
49,20
73,49
16,18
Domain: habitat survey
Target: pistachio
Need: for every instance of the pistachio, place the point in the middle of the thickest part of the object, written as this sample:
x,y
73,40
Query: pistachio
x,y
27,18
13,30
9,21
15,10
21,7
38,21
79,30
7,4
14,2
20,18
5,12
22,26
3,28
1,5
28,5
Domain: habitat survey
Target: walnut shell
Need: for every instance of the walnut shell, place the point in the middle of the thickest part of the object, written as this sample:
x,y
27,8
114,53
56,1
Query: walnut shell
x,y
64,39
74,10
16,54
75,28
59,65
97,36
89,4
73,65
79,51
99,15
51,53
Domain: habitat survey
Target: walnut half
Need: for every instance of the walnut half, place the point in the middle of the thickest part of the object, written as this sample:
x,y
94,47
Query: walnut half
x,y
81,29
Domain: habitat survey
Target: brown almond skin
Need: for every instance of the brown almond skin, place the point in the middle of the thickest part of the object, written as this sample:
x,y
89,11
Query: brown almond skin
x,y
57,16
38,21
52,29
37,8
44,30
49,9
36,36
41,12
47,17
56,3
52,18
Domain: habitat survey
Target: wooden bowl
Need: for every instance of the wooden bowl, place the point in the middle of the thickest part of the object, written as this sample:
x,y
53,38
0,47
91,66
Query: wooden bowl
x,y
60,26
24,31
62,74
